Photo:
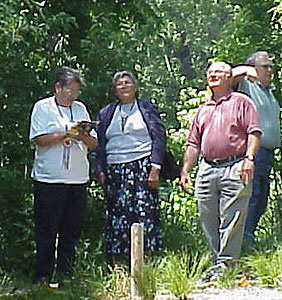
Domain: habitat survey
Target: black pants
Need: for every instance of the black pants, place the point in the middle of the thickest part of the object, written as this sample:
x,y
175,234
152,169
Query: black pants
x,y
58,209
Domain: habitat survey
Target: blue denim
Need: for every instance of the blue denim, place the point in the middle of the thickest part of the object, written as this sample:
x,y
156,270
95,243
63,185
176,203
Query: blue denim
x,y
260,191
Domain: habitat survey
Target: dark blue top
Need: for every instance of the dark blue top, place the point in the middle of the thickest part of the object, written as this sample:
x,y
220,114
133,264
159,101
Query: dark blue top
x,y
153,122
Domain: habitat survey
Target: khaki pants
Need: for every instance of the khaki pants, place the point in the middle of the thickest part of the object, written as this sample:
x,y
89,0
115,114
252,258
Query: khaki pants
x,y
223,202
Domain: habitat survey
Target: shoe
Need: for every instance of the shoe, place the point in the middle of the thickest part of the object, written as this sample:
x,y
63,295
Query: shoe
x,y
65,279
54,285
210,277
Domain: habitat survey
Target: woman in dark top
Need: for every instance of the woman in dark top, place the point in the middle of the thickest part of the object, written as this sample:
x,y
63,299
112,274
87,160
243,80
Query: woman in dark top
x,y
129,158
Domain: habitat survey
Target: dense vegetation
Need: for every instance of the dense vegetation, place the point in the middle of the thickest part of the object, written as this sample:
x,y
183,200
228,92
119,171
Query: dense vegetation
x,y
167,44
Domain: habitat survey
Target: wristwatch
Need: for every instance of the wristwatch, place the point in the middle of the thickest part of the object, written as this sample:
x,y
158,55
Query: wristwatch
x,y
250,157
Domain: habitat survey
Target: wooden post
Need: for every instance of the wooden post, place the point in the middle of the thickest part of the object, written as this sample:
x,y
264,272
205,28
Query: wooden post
x,y
137,258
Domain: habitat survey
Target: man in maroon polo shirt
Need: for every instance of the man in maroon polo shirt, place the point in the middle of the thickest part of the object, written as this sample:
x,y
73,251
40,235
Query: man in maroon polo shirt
x,y
225,135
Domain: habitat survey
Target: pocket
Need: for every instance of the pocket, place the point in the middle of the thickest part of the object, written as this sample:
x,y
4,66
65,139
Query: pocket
x,y
235,168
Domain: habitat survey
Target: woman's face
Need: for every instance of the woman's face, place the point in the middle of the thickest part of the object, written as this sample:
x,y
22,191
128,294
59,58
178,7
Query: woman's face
x,y
125,90
68,93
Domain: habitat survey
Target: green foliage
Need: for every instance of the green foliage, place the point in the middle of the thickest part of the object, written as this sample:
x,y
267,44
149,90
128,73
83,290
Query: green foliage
x,y
256,26
167,44
266,267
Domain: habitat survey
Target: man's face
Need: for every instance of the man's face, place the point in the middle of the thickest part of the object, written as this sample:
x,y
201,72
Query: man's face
x,y
264,67
218,75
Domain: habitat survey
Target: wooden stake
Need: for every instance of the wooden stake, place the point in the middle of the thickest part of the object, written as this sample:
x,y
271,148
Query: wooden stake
x,y
137,259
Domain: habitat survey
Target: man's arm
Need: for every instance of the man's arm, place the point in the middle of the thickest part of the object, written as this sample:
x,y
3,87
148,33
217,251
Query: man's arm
x,y
247,171
190,157
243,71
253,143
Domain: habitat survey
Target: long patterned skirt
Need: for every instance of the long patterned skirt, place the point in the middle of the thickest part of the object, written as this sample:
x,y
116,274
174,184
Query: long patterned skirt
x,y
129,200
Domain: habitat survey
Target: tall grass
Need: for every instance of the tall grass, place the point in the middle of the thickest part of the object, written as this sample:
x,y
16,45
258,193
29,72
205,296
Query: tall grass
x,y
176,270
266,267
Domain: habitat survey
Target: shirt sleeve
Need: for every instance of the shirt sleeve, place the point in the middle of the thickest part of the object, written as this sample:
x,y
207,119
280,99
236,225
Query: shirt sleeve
x,y
194,136
250,117
158,135
38,122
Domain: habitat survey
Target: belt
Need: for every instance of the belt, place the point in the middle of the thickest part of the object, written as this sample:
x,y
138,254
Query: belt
x,y
220,161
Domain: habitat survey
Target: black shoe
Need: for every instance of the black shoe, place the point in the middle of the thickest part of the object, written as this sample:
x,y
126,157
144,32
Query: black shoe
x,y
211,276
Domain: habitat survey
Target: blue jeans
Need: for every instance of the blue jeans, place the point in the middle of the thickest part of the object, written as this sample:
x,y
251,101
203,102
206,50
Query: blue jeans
x,y
260,191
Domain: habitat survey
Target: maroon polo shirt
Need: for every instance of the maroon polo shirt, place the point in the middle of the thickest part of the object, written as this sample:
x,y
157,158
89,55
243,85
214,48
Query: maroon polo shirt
x,y
220,128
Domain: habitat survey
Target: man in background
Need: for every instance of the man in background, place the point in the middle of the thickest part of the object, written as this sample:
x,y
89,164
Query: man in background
x,y
254,79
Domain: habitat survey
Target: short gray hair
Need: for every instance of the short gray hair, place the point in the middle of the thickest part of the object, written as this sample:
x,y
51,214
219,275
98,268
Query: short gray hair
x,y
66,75
225,66
251,60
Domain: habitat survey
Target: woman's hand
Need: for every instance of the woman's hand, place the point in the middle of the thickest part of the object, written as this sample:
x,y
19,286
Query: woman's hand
x,y
154,178
89,141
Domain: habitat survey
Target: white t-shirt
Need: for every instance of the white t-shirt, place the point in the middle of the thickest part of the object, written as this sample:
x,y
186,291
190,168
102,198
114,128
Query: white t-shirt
x,y
50,162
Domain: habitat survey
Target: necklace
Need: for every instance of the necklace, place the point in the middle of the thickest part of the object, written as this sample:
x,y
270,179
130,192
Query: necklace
x,y
124,116
61,113
67,141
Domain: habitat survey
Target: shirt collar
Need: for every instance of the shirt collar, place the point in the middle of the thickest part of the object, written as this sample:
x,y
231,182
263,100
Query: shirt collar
x,y
271,86
226,97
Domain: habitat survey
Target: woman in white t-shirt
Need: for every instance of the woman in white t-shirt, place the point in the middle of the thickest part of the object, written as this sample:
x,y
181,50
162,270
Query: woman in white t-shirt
x,y
60,173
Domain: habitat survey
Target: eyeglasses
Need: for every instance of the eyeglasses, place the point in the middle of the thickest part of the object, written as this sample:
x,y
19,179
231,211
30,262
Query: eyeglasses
x,y
72,92
209,72
123,83
265,66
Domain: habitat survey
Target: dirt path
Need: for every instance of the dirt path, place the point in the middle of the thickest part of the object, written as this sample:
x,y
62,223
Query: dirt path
x,y
238,293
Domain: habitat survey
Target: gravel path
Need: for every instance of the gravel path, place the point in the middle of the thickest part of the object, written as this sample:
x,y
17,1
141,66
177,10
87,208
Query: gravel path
x,y
215,293
238,293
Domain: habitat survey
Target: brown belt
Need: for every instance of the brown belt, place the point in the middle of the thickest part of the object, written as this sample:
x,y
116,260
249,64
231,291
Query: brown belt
x,y
220,161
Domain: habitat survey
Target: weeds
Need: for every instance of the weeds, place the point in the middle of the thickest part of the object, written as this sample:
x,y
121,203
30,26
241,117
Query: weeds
x,y
176,270
4,278
266,267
